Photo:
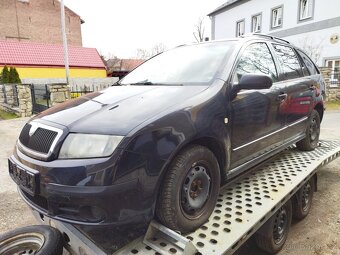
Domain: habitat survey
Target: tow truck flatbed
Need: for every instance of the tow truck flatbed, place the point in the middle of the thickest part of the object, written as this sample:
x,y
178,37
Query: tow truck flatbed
x,y
242,208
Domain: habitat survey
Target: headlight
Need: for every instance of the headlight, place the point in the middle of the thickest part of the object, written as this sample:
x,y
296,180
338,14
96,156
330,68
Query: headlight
x,y
89,146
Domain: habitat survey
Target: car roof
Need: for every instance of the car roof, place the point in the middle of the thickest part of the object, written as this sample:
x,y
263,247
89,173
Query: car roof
x,y
248,37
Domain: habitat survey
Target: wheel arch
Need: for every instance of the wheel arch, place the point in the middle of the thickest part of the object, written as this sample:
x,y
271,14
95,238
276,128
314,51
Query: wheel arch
x,y
320,109
215,146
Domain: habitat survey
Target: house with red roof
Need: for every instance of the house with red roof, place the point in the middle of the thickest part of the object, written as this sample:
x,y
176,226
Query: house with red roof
x,y
121,67
39,60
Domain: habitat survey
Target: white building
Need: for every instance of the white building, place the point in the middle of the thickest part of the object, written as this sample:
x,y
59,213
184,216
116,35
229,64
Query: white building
x,y
313,25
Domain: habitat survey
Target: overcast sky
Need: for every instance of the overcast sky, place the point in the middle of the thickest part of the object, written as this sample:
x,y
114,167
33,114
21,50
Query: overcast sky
x,y
120,27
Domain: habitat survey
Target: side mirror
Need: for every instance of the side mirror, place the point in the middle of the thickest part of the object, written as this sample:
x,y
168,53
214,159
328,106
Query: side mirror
x,y
254,81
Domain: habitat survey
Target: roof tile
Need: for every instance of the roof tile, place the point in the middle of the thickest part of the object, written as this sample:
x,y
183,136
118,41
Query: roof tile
x,y
28,53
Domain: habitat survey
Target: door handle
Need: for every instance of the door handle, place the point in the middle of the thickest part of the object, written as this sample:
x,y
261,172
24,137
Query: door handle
x,y
312,87
282,96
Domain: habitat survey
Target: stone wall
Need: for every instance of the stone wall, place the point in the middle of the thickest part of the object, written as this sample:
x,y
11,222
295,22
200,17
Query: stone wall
x,y
332,90
8,94
25,100
59,93
18,98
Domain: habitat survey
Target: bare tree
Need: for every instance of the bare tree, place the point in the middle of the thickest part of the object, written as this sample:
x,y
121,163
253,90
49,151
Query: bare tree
x,y
199,30
146,54
312,48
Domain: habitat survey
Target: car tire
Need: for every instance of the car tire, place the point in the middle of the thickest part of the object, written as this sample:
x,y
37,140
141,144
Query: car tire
x,y
189,190
273,234
38,240
302,200
311,141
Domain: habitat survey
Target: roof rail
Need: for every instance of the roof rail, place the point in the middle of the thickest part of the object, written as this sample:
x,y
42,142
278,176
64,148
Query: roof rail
x,y
263,35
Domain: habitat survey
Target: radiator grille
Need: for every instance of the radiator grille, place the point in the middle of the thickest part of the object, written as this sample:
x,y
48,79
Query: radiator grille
x,y
40,141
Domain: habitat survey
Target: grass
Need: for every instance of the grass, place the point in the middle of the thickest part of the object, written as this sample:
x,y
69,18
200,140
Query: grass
x,y
333,105
7,115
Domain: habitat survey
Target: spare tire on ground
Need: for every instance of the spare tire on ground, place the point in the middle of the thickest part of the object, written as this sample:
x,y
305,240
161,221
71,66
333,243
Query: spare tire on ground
x,y
38,240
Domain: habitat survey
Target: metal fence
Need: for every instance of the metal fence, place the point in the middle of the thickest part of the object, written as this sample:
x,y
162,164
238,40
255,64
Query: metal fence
x,y
334,79
78,91
40,97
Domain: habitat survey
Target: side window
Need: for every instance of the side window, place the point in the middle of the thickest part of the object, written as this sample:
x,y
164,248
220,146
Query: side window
x,y
289,61
309,63
256,59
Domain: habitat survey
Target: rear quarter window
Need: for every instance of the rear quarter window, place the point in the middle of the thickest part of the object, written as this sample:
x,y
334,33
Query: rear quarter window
x,y
309,63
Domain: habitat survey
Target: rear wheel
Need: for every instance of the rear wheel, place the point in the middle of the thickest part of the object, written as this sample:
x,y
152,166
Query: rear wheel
x,y
310,142
302,201
38,240
273,234
189,191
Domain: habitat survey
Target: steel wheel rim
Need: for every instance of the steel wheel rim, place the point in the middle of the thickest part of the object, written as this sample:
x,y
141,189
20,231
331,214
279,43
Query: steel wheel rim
x,y
27,243
306,192
280,225
195,191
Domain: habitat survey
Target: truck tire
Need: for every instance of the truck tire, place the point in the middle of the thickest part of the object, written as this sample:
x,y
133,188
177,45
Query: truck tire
x,y
302,200
189,190
273,234
38,240
311,141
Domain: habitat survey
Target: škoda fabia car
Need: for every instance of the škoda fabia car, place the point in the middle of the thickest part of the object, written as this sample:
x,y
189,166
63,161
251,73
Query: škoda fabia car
x,y
164,139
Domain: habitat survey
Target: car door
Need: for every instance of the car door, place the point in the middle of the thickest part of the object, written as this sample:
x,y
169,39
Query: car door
x,y
299,89
256,126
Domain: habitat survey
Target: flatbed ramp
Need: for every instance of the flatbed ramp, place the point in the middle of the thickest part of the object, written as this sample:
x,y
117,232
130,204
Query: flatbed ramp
x,y
242,207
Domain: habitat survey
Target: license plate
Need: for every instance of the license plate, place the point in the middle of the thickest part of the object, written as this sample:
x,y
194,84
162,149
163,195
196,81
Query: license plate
x,y
27,180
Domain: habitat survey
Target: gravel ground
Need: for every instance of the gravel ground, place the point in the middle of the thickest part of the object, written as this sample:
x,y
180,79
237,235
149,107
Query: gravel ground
x,y
318,234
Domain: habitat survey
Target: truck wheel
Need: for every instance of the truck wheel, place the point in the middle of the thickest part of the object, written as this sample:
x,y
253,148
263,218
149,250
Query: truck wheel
x,y
310,142
273,234
189,190
38,240
302,200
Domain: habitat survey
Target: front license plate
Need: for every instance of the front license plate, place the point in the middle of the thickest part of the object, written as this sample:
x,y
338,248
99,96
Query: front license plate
x,y
27,180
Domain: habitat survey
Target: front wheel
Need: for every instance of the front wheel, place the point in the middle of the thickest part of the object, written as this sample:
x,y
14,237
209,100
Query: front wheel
x,y
33,240
310,142
189,190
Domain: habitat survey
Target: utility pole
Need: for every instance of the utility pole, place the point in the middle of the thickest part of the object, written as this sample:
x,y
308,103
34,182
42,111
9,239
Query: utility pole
x,y
63,31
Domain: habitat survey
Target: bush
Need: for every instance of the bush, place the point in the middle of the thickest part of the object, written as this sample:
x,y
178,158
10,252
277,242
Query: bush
x,y
13,76
5,75
9,76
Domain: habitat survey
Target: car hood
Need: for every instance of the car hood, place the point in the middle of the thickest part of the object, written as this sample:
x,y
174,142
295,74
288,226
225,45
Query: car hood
x,y
118,109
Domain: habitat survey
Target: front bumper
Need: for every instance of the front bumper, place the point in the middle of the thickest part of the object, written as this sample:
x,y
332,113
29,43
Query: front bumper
x,y
117,204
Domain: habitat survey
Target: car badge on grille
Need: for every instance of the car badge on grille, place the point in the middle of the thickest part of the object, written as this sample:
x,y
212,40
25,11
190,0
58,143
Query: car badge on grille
x,y
33,128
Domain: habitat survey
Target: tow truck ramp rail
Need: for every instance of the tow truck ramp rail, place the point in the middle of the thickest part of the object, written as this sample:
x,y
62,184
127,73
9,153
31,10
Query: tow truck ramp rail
x,y
242,208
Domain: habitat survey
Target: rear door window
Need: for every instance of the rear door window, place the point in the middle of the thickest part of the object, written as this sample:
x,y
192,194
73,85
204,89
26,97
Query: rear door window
x,y
256,58
289,61
309,63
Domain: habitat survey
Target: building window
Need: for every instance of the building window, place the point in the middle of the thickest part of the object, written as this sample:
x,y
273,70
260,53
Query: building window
x,y
334,65
240,25
256,23
306,9
277,16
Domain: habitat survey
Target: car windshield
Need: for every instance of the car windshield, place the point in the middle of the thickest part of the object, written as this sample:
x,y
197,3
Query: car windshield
x,y
184,65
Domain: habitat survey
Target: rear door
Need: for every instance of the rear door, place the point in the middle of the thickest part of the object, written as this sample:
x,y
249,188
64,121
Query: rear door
x,y
255,120
299,89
